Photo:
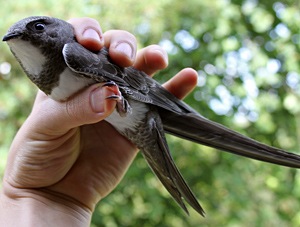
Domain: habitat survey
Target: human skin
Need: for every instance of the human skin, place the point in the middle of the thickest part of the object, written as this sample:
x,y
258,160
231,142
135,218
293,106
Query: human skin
x,y
65,158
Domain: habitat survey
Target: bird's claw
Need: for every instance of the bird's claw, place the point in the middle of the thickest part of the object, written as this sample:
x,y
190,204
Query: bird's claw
x,y
122,106
109,84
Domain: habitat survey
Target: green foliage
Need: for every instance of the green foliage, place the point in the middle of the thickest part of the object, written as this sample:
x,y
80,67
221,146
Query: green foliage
x,y
247,56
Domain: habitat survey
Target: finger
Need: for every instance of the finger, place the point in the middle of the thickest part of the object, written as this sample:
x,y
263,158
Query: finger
x,y
182,83
87,107
88,33
151,59
122,47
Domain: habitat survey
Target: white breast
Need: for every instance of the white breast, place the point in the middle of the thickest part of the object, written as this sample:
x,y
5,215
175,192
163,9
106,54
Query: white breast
x,y
69,84
132,120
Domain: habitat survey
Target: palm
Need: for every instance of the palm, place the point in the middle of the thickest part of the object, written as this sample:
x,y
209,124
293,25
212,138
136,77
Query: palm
x,y
84,163
104,157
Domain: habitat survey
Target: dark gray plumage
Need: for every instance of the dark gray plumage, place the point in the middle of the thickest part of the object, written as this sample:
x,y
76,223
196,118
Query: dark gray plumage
x,y
48,52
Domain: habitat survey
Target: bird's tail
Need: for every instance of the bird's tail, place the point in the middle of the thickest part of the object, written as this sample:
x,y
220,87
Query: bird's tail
x,y
196,128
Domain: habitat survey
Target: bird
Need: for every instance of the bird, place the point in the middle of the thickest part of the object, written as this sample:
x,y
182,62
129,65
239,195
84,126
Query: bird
x,y
48,52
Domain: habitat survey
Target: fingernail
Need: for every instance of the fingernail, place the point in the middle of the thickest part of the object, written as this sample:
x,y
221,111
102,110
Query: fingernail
x,y
125,48
97,99
91,34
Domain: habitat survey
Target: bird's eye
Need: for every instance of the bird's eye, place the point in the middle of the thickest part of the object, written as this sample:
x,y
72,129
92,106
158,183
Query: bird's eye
x,y
39,26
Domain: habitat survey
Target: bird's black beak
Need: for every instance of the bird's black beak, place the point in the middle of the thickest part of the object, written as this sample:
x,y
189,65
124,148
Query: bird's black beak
x,y
11,35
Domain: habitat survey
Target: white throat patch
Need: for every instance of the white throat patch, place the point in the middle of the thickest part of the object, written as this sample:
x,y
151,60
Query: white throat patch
x,y
28,55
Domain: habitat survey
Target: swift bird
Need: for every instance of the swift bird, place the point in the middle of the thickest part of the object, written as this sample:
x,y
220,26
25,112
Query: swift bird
x,y
48,52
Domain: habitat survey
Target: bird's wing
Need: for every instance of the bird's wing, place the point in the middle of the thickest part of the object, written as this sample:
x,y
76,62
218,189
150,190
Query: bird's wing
x,y
178,118
91,65
198,129
132,83
156,152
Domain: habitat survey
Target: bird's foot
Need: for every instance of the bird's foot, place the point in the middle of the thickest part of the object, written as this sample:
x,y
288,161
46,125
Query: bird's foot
x,y
123,106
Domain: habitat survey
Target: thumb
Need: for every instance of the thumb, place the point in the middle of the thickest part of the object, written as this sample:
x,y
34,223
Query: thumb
x,y
87,107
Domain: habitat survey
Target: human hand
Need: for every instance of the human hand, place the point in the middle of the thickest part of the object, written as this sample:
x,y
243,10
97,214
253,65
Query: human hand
x,y
65,156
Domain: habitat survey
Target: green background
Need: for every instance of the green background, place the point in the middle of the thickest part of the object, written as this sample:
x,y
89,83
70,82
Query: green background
x,y
247,54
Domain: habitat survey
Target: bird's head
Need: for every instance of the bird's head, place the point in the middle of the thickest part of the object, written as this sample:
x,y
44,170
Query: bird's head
x,y
34,39
40,31
37,41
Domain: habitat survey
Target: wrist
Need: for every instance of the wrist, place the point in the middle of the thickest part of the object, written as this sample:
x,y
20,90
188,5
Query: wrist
x,y
30,207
